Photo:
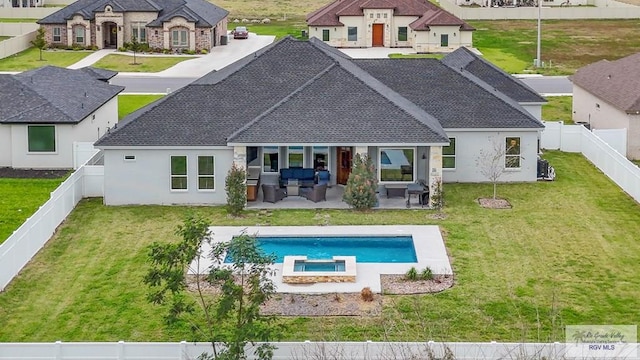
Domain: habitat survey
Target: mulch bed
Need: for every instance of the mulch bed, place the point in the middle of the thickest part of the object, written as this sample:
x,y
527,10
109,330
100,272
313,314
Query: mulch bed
x,y
7,172
492,203
343,304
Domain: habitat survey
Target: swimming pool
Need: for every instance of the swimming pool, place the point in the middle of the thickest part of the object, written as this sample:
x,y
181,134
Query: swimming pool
x,y
366,249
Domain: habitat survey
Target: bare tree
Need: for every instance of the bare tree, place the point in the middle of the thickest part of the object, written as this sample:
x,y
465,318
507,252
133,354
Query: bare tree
x,y
493,162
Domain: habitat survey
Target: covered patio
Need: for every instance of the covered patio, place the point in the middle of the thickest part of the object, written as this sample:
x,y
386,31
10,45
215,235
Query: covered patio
x,y
334,201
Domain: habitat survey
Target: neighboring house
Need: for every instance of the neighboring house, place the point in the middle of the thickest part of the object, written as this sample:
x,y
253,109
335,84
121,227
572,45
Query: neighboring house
x,y
163,24
606,95
412,117
21,3
416,24
44,111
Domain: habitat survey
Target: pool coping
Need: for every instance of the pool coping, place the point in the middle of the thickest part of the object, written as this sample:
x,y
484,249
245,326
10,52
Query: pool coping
x,y
428,244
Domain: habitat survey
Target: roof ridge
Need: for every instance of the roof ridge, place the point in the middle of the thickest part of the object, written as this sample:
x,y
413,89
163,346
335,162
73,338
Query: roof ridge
x,y
26,83
281,102
402,103
502,73
495,92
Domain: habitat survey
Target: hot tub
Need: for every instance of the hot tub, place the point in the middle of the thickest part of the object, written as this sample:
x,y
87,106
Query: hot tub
x,y
300,270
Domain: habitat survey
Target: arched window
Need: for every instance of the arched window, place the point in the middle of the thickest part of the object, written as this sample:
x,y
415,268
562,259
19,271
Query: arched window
x,y
79,35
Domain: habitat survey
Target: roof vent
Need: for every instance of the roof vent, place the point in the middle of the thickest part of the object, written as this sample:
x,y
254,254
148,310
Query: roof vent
x,y
82,105
609,76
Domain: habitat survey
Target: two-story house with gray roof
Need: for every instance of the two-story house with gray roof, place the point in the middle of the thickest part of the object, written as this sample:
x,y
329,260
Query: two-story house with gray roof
x,y
163,24
305,105
416,24
44,111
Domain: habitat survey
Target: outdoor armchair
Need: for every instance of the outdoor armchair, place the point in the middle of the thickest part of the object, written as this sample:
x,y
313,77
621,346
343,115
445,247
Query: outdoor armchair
x,y
272,193
315,194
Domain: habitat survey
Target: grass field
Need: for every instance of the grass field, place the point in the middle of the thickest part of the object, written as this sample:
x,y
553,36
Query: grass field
x,y
130,103
19,199
566,45
124,63
2,38
558,108
30,59
567,253
279,28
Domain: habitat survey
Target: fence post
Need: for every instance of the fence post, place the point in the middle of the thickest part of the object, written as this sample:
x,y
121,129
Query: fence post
x,y
120,350
183,350
58,350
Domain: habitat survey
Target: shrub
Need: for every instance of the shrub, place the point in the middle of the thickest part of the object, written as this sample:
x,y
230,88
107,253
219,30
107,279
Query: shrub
x,y
411,274
236,189
360,192
189,52
366,294
426,274
204,51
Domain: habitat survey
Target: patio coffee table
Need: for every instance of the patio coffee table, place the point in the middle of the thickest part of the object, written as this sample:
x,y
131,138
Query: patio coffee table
x,y
293,188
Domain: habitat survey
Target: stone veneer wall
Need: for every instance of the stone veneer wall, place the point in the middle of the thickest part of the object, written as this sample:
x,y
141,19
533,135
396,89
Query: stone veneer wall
x,y
48,36
155,37
203,38
302,279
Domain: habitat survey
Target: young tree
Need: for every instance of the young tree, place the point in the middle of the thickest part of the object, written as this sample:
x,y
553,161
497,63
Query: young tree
x,y
360,192
136,47
230,320
493,162
236,187
39,42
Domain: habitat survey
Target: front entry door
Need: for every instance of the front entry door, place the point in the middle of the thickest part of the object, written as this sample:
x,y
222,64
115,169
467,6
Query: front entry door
x,y
113,35
345,158
378,35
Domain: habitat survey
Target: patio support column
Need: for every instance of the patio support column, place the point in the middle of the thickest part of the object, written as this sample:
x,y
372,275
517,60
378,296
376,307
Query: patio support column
x,y
240,156
435,168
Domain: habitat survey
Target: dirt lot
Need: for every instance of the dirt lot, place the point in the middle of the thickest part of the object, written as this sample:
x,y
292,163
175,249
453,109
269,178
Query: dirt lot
x,y
6,172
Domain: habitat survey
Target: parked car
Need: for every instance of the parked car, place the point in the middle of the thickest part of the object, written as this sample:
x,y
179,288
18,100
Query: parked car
x,y
240,32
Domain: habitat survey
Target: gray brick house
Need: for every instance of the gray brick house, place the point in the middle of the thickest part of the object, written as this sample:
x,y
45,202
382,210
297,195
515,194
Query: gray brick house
x,y
164,24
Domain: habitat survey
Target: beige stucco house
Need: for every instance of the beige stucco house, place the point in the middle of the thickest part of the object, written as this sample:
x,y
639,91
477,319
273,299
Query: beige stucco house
x,y
606,95
162,24
416,24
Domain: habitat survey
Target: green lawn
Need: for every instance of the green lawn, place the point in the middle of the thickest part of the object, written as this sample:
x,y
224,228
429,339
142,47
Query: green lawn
x,y
566,45
558,108
124,63
567,253
2,38
19,199
30,59
279,28
130,103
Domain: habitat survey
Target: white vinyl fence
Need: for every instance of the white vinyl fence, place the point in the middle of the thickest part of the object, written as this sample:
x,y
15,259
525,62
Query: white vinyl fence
x,y
27,12
16,44
577,138
83,152
30,237
298,351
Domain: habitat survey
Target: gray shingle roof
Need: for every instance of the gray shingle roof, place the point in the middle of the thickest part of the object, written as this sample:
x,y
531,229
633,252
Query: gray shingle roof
x,y
457,101
99,74
616,82
465,59
52,95
204,13
289,80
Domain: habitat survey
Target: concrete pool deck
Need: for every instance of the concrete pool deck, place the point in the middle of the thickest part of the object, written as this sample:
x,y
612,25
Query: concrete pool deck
x,y
428,244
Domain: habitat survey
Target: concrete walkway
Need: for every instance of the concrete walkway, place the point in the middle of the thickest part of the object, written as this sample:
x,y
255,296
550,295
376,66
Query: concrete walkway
x,y
91,59
219,57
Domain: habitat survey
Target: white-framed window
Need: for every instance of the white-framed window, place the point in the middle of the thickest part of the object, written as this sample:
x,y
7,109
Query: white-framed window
x,y
206,173
512,153
325,34
444,40
139,32
270,161
295,156
352,33
179,38
397,164
321,157
179,172
449,155
253,156
78,35
41,138
57,35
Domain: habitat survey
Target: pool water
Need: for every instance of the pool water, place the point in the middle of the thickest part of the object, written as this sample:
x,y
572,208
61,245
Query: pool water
x,y
330,266
366,249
